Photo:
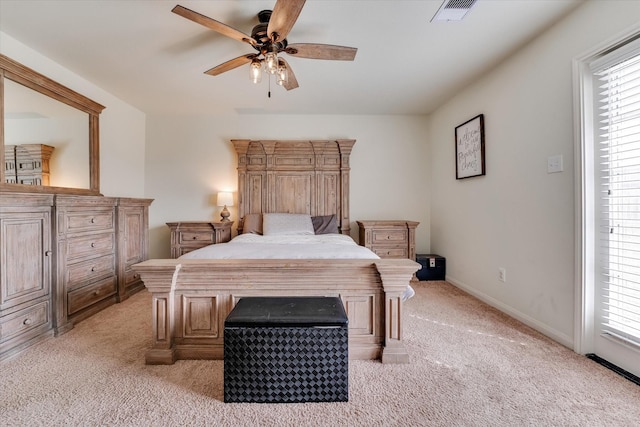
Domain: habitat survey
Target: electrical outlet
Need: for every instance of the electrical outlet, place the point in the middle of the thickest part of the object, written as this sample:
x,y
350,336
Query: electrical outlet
x,y
432,262
502,274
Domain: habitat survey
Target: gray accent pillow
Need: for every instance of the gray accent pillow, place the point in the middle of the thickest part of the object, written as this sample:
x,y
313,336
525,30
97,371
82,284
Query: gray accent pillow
x,y
325,224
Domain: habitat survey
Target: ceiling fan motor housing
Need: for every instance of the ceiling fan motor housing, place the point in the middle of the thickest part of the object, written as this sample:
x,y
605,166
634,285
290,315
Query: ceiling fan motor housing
x,y
259,34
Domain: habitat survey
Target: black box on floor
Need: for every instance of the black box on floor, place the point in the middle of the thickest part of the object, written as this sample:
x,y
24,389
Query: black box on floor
x,y
434,267
286,349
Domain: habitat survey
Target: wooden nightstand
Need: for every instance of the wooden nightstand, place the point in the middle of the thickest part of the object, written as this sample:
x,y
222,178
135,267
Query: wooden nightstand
x,y
187,236
389,239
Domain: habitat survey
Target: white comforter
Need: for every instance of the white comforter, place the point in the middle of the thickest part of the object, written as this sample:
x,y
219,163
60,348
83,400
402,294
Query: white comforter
x,y
314,246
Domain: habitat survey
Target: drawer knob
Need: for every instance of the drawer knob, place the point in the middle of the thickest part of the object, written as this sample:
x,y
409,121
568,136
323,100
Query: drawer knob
x,y
93,269
93,245
93,220
47,253
194,237
26,321
96,292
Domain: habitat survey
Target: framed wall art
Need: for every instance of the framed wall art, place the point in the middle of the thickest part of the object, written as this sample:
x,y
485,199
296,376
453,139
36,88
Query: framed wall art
x,y
470,148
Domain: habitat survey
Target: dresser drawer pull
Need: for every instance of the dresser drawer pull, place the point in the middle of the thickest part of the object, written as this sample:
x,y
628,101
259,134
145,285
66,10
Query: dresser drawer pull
x,y
93,220
195,237
93,269
26,321
96,293
93,245
47,253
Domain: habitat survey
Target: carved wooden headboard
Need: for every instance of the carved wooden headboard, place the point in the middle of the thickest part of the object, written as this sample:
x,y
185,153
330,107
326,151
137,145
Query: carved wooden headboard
x,y
310,177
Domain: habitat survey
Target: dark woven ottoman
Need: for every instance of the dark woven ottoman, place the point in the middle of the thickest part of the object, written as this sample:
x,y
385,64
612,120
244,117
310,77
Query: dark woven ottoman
x,y
286,349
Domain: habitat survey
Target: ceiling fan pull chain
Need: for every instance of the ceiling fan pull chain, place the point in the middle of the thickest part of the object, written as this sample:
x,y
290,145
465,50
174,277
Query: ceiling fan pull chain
x,y
269,77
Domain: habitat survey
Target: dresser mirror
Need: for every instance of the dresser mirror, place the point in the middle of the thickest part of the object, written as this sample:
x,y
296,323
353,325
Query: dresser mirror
x,y
49,134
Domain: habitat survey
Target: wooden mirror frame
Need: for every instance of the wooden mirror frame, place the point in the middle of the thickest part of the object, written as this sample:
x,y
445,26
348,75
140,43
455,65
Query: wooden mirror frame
x,y
12,70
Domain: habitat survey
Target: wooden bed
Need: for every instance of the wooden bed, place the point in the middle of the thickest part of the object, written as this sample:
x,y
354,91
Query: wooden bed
x,y
192,297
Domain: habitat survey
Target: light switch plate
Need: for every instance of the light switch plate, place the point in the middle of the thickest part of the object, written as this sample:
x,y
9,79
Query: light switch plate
x,y
554,164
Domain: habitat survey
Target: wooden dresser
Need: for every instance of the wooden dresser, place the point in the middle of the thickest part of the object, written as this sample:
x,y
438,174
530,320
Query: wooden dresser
x,y
389,238
64,258
187,236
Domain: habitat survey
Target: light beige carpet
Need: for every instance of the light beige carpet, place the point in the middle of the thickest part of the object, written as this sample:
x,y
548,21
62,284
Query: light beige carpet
x,y
470,366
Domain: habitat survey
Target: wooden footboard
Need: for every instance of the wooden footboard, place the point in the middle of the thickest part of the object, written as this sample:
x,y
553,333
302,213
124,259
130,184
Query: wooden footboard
x,y
192,298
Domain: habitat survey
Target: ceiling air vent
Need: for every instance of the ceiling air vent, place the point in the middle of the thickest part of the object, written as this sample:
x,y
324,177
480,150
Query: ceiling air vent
x,y
453,10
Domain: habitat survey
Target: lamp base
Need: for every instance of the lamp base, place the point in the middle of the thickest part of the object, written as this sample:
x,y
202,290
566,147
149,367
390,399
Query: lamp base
x,y
225,214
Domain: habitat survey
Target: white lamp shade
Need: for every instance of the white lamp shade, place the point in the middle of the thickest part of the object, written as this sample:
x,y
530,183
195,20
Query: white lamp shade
x,y
225,199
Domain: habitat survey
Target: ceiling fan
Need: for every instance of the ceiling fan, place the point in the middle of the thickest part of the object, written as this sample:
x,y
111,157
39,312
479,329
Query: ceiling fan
x,y
269,38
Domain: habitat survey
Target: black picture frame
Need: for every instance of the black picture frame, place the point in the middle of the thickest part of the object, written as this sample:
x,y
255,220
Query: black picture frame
x,y
469,140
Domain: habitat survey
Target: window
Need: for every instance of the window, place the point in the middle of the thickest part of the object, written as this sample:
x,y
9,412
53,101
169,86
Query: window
x,y
607,113
616,93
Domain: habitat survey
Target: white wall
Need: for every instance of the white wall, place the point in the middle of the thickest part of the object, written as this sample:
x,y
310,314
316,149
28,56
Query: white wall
x,y
189,159
122,127
518,216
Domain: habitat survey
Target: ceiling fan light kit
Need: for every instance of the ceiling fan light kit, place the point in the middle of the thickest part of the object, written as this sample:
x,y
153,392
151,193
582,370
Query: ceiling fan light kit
x,y
255,70
268,37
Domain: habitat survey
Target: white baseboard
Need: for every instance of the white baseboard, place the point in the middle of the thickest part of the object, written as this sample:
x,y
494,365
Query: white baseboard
x,y
544,329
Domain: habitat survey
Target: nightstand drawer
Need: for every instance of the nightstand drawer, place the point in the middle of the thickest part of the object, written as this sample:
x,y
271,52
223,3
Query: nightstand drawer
x,y
84,297
389,236
91,245
84,272
198,237
391,252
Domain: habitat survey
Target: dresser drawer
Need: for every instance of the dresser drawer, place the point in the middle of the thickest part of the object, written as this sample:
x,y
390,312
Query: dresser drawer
x,y
25,320
94,244
84,297
201,238
131,276
389,236
75,222
81,273
391,251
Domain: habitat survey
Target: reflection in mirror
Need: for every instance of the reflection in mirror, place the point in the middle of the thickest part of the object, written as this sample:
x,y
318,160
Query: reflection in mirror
x,y
46,141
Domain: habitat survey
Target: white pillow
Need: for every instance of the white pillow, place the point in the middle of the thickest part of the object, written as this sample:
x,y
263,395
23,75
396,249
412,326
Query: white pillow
x,y
280,224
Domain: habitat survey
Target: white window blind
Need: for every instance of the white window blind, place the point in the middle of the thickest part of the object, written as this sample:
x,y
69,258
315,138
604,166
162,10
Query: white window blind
x,y
618,99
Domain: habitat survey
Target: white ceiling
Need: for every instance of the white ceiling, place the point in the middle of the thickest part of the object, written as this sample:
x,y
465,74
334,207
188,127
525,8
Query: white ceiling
x,y
155,60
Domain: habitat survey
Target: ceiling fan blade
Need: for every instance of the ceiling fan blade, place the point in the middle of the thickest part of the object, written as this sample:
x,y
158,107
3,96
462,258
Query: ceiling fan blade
x,y
231,64
213,25
284,15
292,82
322,51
